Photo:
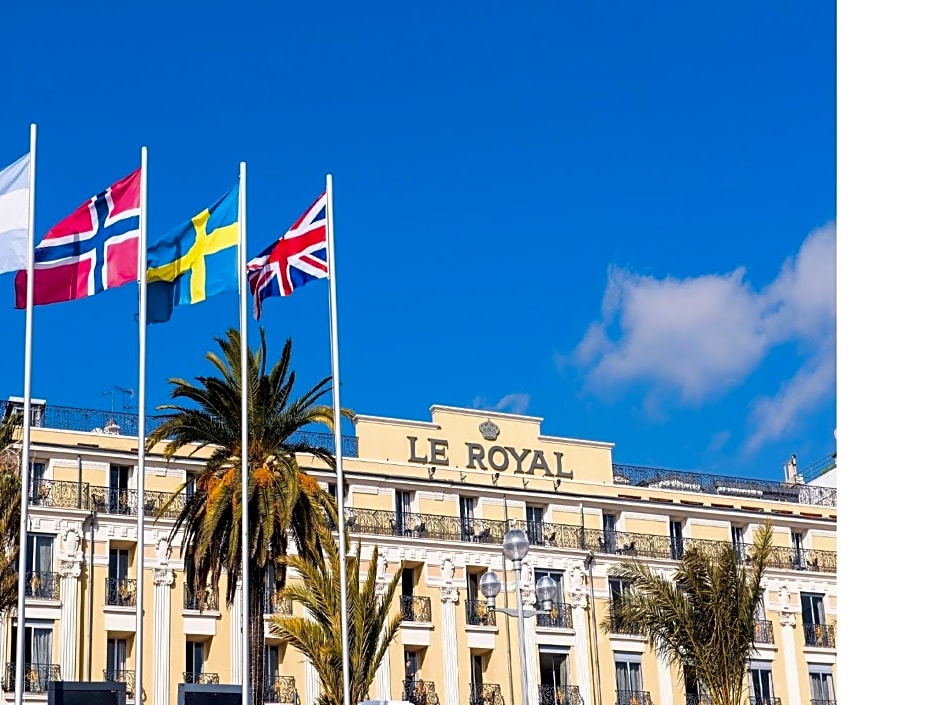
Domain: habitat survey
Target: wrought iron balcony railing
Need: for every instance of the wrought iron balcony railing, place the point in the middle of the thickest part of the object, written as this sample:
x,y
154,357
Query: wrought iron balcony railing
x,y
276,603
111,423
191,600
415,608
634,697
817,701
66,494
619,625
280,689
38,677
763,632
822,635
121,676
559,695
559,617
121,592
435,527
419,692
201,678
701,483
42,586
486,694
763,700
692,699
479,615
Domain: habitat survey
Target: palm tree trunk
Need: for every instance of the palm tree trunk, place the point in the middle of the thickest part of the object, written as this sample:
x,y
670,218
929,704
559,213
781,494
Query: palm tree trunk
x,y
256,602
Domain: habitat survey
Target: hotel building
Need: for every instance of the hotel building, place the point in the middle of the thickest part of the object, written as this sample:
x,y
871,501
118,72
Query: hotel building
x,y
436,497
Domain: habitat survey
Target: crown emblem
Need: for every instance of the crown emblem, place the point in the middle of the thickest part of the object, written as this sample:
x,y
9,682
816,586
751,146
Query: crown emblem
x,y
489,430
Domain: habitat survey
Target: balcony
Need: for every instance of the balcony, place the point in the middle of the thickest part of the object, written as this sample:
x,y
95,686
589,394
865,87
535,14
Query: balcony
x,y
121,676
121,592
816,701
280,689
763,700
111,423
415,609
486,694
201,678
763,632
275,603
559,617
621,626
692,699
701,483
479,615
192,601
65,494
419,692
559,695
38,676
820,635
634,697
436,527
42,586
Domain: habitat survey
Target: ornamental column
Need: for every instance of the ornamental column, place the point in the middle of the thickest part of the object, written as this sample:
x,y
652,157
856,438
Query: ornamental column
x,y
787,636
449,596
4,616
70,569
311,676
531,664
235,631
577,598
162,581
383,677
665,681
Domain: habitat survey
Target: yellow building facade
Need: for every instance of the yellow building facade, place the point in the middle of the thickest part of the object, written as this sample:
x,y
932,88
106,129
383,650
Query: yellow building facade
x,y
436,497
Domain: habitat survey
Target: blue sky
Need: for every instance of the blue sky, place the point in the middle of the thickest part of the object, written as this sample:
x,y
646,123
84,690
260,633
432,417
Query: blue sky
x,y
619,218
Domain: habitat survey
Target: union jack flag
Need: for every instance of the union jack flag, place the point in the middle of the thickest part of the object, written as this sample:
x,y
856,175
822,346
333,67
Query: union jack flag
x,y
92,250
292,261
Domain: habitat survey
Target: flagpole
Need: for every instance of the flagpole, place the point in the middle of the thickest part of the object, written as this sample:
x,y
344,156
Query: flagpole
x,y
243,338
141,427
27,422
338,436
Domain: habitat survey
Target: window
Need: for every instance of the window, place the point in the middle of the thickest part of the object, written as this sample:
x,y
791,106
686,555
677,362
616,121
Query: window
x,y
41,491
609,539
675,538
119,501
796,545
629,679
535,526
467,528
195,659
37,656
40,580
618,588
553,674
271,663
821,688
412,667
815,630
121,590
476,671
737,541
116,659
762,690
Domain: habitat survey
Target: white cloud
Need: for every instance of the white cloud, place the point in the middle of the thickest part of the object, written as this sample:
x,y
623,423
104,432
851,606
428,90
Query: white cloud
x,y
516,403
695,338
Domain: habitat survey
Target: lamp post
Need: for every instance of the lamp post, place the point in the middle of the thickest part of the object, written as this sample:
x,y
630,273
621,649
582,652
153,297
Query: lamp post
x,y
515,549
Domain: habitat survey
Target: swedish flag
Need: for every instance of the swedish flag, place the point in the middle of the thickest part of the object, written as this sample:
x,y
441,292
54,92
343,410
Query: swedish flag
x,y
195,260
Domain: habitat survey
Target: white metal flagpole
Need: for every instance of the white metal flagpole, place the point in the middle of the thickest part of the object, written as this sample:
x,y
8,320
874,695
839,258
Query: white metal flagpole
x,y
243,337
338,436
27,422
141,426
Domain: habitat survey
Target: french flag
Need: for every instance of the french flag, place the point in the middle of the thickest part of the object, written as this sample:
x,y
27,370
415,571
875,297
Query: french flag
x,y
91,251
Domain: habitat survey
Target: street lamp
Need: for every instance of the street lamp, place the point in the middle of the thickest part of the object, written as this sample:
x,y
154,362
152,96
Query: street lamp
x,y
515,549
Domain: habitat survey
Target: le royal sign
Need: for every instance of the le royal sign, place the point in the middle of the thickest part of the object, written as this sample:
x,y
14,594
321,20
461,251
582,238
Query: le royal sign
x,y
489,456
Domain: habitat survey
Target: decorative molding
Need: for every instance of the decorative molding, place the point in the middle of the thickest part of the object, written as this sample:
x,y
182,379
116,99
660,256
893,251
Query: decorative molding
x,y
449,594
787,618
71,569
163,576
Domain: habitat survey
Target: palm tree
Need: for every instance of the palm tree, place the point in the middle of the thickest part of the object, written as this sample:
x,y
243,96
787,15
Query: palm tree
x,y
284,502
10,485
701,620
372,626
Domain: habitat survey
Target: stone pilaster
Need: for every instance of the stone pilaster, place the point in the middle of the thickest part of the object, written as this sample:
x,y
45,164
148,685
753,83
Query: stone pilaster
x,y
579,602
4,637
383,677
788,646
162,581
665,681
71,558
449,597
235,620
312,678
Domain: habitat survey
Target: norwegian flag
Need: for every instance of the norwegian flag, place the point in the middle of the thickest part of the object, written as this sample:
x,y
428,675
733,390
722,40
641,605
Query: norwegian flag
x,y
92,250
297,258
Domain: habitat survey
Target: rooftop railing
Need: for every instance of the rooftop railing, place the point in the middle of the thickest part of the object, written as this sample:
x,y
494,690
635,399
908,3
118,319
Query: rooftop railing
x,y
702,483
118,423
